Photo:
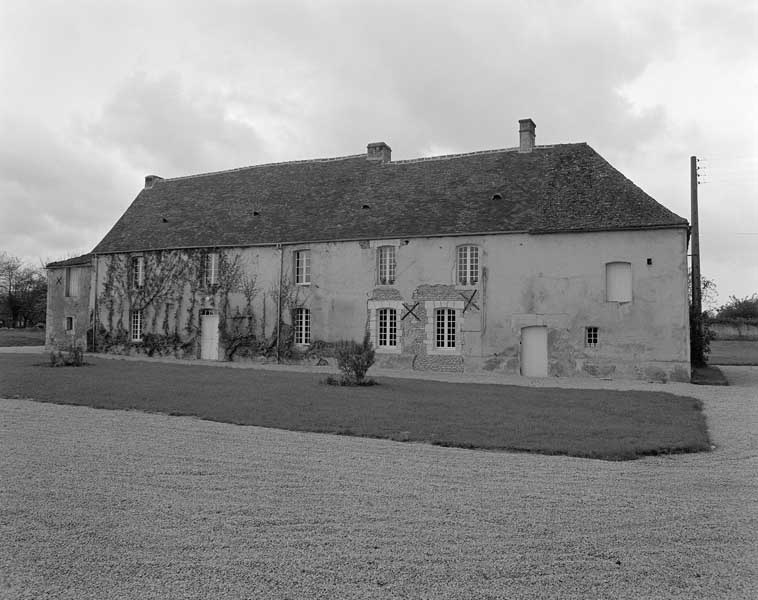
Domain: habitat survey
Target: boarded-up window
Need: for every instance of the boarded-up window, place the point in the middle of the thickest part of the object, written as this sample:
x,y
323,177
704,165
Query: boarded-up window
x,y
72,282
618,282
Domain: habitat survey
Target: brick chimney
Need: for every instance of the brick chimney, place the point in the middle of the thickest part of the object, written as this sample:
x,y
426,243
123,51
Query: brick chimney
x,y
151,180
526,135
379,151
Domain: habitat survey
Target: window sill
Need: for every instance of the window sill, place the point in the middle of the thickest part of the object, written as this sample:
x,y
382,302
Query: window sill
x,y
387,349
444,352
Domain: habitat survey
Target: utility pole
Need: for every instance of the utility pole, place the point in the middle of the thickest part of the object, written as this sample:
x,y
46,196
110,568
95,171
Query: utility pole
x,y
697,303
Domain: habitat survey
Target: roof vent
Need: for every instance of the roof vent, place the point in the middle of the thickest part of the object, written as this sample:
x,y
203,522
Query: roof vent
x,y
526,135
151,180
379,151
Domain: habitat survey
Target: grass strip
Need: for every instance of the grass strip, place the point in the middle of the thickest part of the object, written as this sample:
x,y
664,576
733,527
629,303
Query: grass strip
x,y
611,425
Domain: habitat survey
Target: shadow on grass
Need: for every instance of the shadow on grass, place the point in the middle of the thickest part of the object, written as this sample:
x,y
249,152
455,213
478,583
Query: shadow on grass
x,y
602,424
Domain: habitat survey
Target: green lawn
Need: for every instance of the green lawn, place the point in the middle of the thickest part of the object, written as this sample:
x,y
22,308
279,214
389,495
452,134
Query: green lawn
x,y
22,337
733,352
614,425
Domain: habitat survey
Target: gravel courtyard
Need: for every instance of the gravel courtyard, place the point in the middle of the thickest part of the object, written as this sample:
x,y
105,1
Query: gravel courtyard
x,y
113,504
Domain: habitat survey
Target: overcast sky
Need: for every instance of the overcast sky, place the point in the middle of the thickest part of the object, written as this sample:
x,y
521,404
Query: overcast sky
x,y
95,95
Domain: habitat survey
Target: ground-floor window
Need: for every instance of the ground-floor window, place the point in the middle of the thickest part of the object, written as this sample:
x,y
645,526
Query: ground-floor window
x,y
302,326
591,338
136,325
445,329
387,335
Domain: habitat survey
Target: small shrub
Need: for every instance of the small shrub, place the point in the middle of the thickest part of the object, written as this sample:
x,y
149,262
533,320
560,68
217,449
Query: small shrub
x,y
163,344
74,357
355,359
344,381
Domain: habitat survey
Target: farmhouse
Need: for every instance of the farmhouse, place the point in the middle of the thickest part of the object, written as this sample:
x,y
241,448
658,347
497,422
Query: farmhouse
x,y
538,260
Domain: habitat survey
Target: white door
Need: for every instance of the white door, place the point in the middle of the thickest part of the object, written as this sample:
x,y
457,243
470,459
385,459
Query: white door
x,y
534,351
208,335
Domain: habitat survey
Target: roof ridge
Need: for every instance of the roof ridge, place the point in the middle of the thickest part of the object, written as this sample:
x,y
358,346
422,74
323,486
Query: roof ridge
x,y
474,153
352,156
272,164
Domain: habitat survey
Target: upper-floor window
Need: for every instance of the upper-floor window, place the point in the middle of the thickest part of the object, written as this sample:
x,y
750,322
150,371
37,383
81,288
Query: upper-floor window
x,y
387,328
302,326
618,282
210,269
69,324
386,255
303,267
445,328
136,325
72,282
591,337
467,265
138,272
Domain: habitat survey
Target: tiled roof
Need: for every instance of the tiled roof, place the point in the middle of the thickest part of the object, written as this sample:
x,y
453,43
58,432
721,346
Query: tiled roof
x,y
85,260
553,188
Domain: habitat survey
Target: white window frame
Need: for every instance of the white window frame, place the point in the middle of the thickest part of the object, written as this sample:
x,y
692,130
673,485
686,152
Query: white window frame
x,y
386,322
374,306
467,265
445,336
386,265
591,336
210,269
430,330
135,322
302,326
137,267
302,267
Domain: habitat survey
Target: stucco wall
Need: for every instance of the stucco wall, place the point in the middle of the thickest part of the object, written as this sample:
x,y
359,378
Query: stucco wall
x,y
555,280
60,306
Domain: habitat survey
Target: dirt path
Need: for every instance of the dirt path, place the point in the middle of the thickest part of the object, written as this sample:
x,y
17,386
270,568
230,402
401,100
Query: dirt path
x,y
109,504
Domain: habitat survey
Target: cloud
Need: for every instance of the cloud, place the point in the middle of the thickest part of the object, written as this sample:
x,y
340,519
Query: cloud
x,y
56,193
161,126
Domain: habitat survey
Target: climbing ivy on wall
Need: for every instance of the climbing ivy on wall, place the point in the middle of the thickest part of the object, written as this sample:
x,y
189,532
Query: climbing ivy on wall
x,y
172,295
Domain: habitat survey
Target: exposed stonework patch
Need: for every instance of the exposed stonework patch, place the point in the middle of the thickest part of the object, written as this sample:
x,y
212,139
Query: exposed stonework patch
x,y
655,374
493,363
386,293
448,364
394,361
560,353
599,370
436,292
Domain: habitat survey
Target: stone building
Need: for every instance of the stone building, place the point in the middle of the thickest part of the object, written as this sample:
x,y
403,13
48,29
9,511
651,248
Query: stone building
x,y
539,260
68,302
